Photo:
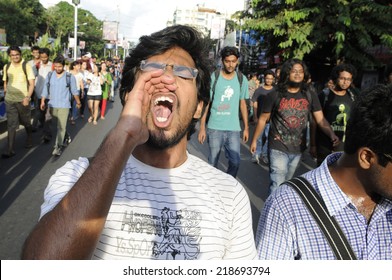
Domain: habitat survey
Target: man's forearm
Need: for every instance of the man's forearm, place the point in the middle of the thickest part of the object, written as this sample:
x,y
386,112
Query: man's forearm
x,y
77,221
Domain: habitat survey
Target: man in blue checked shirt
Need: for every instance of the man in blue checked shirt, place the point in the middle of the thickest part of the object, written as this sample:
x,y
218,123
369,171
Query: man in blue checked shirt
x,y
356,186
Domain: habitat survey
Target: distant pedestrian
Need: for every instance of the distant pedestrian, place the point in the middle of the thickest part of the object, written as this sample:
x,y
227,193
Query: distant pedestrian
x,y
229,95
18,81
36,60
59,88
75,71
336,102
258,99
42,118
106,87
288,109
94,94
86,85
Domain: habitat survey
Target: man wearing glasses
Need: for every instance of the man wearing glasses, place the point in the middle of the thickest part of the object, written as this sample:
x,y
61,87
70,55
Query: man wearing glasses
x,y
143,196
288,109
356,186
18,88
336,104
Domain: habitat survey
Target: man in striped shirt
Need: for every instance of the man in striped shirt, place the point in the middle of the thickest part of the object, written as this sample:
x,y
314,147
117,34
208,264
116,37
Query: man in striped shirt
x,y
355,185
143,196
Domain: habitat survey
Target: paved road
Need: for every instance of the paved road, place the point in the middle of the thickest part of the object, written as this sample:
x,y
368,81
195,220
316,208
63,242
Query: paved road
x,y
24,177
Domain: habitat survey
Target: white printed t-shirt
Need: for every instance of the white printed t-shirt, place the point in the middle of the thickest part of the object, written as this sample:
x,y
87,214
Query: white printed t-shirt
x,y
193,211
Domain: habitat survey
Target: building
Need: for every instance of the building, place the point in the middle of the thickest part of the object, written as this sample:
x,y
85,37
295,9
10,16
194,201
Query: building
x,y
198,16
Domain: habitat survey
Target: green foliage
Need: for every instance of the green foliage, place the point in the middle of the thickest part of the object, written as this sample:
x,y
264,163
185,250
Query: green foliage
x,y
23,19
20,19
333,29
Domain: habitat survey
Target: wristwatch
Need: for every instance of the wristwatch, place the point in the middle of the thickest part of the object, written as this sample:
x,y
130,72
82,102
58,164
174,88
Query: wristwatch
x,y
28,97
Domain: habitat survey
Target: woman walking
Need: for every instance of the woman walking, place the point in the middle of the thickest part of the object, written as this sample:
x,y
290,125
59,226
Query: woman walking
x,y
106,86
94,94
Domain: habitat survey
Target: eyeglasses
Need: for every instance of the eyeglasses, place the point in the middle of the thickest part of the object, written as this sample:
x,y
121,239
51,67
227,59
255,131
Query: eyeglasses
x,y
345,79
178,70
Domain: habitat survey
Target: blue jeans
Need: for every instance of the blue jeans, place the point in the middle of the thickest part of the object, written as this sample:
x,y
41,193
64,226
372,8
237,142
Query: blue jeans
x,y
260,148
230,140
282,167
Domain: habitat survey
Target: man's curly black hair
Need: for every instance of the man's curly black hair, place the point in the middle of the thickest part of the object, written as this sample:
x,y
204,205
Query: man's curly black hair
x,y
370,123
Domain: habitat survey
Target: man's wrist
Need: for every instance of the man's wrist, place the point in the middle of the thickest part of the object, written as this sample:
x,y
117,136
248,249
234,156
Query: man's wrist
x,y
27,97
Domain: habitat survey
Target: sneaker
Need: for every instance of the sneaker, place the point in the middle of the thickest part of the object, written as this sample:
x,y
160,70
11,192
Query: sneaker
x,y
256,159
56,152
67,141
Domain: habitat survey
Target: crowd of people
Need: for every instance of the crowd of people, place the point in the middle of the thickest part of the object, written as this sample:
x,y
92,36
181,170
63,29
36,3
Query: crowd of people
x,y
152,199
59,92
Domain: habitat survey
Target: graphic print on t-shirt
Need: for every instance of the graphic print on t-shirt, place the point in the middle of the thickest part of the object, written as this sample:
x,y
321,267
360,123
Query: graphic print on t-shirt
x,y
293,113
177,233
340,123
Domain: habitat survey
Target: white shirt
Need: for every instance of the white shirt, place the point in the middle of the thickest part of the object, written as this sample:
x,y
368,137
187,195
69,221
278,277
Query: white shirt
x,y
193,211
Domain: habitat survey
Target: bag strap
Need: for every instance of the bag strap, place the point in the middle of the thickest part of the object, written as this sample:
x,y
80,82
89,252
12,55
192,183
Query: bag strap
x,y
24,68
316,206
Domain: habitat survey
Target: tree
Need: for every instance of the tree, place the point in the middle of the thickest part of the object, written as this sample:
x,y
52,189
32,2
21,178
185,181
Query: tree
x,y
336,30
21,19
60,20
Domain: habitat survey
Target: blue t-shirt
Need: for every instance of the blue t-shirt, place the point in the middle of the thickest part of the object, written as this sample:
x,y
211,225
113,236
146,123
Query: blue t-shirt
x,y
226,103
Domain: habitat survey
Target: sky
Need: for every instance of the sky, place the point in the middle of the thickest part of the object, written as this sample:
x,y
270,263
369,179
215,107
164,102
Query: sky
x,y
142,17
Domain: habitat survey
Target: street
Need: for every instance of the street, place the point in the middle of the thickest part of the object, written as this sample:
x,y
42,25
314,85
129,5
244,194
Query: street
x,y
24,177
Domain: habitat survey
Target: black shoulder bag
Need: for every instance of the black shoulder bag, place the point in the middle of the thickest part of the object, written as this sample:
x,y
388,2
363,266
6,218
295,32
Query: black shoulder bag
x,y
316,206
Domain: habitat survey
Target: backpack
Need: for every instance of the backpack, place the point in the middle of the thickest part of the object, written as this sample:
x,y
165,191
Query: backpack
x,y
68,81
326,94
240,77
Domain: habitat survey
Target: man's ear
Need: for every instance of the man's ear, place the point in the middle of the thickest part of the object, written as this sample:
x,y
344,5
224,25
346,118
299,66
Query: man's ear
x,y
199,110
366,158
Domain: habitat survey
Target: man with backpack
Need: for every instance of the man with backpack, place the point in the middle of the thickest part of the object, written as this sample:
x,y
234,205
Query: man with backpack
x,y
42,117
229,94
58,88
336,102
18,88
288,110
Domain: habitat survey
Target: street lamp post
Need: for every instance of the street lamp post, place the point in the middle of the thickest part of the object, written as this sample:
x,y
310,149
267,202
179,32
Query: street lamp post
x,y
76,3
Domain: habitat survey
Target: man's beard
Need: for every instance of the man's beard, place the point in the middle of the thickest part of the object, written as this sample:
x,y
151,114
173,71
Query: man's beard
x,y
158,140
294,84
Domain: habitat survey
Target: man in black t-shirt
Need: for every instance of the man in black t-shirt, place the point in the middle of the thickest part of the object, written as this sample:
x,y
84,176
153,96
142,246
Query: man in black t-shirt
x,y
258,100
336,103
288,109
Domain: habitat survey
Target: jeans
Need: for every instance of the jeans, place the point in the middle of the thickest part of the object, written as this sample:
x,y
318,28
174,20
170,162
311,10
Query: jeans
x,y
282,167
230,140
260,148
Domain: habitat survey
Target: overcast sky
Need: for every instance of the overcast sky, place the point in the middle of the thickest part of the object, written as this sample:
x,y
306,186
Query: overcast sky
x,y
141,17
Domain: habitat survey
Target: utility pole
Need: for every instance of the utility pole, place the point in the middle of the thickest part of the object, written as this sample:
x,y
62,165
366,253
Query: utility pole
x,y
76,3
